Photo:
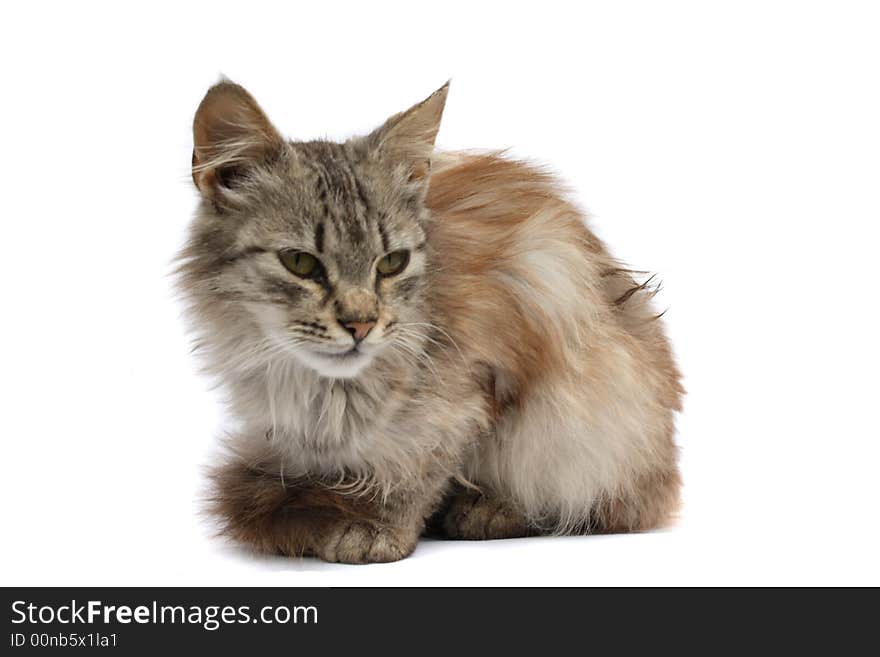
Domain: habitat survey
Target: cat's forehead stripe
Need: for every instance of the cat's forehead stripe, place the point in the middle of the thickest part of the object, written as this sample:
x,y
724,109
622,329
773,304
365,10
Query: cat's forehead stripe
x,y
343,197
346,208
383,236
319,237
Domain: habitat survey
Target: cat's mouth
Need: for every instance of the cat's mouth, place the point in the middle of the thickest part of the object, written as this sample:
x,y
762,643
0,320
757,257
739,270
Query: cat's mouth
x,y
337,364
351,353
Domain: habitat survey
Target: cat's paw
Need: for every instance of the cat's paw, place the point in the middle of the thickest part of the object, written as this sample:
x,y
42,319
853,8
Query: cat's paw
x,y
365,542
475,516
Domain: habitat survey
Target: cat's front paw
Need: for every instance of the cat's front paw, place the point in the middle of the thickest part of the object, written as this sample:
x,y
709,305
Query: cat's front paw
x,y
365,542
476,516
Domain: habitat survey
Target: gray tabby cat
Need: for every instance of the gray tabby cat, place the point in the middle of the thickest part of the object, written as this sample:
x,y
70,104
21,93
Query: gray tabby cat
x,y
413,340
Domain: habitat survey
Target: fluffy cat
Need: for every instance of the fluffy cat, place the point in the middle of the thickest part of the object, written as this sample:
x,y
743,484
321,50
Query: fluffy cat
x,y
413,341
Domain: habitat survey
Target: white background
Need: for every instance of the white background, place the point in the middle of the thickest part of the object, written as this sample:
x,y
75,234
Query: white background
x,y
732,147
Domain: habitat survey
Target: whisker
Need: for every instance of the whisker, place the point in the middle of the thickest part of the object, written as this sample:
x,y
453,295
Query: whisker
x,y
420,356
445,333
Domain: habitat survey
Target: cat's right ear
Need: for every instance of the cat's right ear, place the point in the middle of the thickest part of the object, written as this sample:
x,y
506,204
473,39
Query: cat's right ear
x,y
231,135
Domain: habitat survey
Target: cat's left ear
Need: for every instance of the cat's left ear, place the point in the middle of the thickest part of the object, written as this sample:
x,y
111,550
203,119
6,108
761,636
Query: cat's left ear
x,y
408,137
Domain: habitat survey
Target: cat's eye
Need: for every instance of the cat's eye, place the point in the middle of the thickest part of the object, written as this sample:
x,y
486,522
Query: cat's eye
x,y
300,263
393,263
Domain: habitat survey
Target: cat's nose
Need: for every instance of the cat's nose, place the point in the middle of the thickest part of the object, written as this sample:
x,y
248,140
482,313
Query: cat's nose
x,y
359,330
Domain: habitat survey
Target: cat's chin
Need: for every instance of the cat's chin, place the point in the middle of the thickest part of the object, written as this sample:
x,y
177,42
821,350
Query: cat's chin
x,y
332,366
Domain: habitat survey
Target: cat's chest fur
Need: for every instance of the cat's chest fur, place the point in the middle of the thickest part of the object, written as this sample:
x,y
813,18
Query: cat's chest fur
x,y
321,424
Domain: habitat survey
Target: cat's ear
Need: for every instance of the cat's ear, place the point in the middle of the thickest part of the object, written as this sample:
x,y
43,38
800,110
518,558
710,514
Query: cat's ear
x,y
408,137
231,135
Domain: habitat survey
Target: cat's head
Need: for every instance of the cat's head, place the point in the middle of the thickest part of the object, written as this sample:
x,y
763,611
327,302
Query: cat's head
x,y
320,244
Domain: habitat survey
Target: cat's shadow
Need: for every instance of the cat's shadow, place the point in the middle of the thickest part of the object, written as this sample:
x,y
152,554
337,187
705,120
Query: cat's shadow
x,y
282,563
428,547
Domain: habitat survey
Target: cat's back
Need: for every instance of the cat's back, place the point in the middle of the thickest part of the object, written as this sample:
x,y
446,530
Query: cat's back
x,y
522,284
518,278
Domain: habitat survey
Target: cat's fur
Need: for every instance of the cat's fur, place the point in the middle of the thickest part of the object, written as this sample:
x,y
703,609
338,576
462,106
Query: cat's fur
x,y
517,380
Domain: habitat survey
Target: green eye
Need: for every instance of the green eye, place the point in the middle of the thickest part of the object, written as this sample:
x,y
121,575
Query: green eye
x,y
300,263
393,263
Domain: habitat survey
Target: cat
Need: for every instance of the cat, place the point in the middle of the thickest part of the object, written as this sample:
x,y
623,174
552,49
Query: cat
x,y
414,341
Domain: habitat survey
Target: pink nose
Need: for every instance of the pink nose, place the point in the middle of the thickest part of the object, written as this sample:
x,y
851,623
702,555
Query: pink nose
x,y
359,330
